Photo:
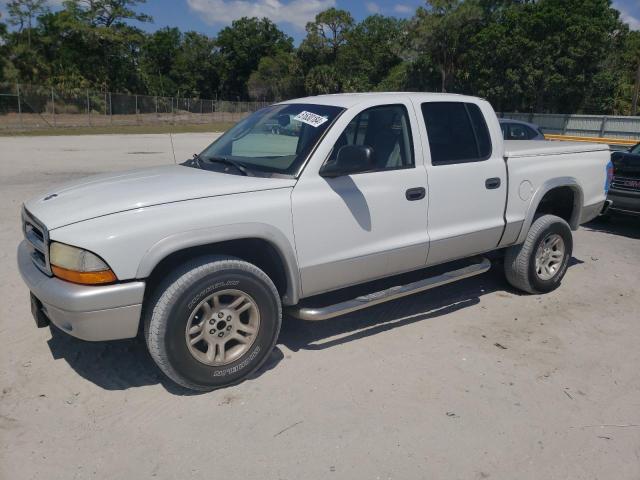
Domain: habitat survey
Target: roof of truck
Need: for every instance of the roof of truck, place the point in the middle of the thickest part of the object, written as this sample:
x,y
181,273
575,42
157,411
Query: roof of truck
x,y
348,100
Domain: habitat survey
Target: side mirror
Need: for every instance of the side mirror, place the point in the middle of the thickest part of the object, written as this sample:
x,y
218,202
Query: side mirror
x,y
350,159
284,120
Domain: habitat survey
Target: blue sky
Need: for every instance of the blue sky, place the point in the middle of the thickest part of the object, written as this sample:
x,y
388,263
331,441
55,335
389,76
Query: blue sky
x,y
209,16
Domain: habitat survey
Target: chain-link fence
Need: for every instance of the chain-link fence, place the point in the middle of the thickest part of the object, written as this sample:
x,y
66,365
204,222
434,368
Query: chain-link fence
x,y
25,107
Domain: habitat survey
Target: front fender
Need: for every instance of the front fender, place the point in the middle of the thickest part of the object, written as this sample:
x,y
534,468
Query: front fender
x,y
133,242
204,236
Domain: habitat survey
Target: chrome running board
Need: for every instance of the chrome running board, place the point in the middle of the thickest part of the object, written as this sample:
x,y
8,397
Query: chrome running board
x,y
393,293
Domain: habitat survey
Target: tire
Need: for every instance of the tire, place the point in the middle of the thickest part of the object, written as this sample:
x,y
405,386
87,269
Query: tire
x,y
178,307
520,260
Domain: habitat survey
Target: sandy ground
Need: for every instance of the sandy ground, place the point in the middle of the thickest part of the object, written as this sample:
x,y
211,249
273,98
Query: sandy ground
x,y
471,381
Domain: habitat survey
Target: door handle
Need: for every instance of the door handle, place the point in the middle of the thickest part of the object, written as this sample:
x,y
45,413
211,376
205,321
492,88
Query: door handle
x,y
492,183
414,194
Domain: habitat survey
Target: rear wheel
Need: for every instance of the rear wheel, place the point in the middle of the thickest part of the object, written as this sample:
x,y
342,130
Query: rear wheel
x,y
539,264
213,322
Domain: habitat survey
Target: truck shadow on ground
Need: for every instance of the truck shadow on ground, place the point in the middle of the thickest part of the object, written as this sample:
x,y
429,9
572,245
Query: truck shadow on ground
x,y
120,365
304,335
623,225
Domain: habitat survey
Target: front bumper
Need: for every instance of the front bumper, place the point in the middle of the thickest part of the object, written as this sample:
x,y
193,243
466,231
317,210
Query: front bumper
x,y
94,313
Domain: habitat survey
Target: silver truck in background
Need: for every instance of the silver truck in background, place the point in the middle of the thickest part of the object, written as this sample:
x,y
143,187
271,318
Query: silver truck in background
x,y
202,257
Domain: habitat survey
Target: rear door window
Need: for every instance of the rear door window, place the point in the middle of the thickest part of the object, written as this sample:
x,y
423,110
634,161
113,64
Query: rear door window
x,y
457,132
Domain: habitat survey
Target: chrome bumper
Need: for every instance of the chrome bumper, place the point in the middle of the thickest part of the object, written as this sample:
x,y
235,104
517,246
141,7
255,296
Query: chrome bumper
x,y
97,313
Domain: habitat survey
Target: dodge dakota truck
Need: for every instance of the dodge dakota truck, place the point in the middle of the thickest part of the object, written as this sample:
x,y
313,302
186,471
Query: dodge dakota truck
x,y
366,199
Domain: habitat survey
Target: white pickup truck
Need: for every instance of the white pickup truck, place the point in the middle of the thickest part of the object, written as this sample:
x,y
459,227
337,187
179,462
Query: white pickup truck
x,y
339,192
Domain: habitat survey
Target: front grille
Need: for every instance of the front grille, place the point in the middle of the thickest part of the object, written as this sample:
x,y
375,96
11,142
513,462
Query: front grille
x,y
37,237
626,183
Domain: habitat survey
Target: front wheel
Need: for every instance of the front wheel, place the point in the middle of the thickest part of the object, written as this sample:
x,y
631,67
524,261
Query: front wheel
x,y
213,322
539,264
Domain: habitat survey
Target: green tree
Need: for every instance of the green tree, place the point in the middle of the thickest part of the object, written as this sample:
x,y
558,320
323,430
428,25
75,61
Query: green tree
x,y
196,67
278,77
441,31
23,12
173,63
157,58
372,50
3,48
96,43
631,69
525,55
327,35
350,56
241,46
322,79
107,13
547,56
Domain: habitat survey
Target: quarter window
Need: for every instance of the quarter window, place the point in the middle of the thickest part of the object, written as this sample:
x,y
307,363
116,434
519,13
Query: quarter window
x,y
457,132
386,130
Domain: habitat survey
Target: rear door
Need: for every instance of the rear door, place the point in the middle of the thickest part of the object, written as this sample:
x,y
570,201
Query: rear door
x,y
467,179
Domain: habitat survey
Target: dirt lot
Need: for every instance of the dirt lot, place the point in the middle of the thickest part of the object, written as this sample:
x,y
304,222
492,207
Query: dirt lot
x,y
471,381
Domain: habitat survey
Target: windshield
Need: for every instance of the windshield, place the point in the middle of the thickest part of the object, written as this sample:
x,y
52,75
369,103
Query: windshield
x,y
636,149
275,139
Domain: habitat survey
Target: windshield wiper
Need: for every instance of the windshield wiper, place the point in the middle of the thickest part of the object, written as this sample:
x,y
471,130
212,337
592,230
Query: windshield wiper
x,y
235,164
196,161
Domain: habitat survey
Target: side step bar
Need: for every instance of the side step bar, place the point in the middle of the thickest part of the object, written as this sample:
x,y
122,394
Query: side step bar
x,y
364,301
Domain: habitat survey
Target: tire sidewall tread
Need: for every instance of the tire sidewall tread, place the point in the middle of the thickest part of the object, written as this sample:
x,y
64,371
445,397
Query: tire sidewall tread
x,y
520,259
166,316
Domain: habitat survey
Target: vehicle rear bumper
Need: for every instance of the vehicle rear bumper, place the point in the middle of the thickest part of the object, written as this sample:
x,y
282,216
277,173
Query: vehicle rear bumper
x,y
589,212
93,313
624,202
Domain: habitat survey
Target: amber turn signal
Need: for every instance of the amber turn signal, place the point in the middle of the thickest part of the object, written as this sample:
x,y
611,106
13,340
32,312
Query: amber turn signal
x,y
84,278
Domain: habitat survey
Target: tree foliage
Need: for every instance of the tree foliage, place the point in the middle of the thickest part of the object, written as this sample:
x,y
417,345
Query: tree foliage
x,y
241,46
522,55
277,77
22,14
441,31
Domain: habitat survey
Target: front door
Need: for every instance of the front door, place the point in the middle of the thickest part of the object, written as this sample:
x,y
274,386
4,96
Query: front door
x,y
358,227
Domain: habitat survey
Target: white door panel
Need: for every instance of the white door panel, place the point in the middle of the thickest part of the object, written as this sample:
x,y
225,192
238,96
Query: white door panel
x,y
356,228
465,217
461,204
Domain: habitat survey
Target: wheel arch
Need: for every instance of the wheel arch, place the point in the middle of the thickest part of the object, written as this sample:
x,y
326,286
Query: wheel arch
x,y
260,244
562,196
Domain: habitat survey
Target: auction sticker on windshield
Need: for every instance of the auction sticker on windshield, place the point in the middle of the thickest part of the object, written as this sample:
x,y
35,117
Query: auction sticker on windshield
x,y
310,118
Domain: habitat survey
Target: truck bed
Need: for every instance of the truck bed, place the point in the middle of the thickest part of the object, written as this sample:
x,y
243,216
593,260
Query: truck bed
x,y
535,148
536,167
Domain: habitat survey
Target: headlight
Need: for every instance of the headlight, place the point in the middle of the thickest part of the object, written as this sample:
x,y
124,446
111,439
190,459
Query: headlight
x,y
79,266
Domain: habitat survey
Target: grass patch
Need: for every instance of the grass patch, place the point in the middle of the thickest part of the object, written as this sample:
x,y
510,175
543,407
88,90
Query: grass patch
x,y
120,129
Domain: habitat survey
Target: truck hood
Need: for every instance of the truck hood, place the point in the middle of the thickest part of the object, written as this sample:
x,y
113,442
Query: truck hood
x,y
105,194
